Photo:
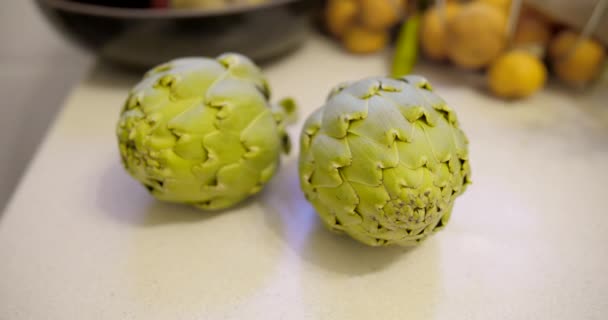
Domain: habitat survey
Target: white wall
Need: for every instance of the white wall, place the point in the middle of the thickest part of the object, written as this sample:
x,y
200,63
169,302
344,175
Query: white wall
x,y
37,69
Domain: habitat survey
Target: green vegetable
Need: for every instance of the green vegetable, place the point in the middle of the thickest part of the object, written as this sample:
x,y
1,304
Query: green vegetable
x,y
383,160
406,48
202,131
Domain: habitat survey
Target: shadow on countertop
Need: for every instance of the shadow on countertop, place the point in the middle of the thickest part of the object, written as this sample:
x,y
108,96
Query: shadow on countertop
x,y
286,213
292,218
128,202
109,75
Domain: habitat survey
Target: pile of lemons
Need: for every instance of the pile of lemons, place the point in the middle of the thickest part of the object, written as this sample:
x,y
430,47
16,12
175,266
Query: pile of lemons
x,y
363,26
473,35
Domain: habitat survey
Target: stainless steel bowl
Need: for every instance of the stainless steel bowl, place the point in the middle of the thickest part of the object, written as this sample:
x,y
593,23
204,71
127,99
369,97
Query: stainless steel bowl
x,y
143,37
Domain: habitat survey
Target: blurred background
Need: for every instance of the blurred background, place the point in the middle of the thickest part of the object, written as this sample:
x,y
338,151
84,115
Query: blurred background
x,y
37,69
512,48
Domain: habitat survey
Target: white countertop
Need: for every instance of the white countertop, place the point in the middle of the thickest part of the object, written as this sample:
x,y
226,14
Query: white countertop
x,y
37,70
81,240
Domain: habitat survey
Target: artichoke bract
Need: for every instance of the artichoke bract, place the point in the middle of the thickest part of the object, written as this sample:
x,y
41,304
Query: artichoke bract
x,y
383,160
202,131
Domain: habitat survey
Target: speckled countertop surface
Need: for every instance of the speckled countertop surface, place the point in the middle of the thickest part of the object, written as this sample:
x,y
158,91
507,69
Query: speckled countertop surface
x,y
81,240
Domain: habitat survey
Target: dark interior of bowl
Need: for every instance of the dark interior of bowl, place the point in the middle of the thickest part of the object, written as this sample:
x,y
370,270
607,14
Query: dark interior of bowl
x,y
119,3
146,37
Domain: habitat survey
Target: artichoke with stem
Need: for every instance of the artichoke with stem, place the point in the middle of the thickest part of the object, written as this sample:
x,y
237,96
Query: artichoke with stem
x,y
383,160
202,131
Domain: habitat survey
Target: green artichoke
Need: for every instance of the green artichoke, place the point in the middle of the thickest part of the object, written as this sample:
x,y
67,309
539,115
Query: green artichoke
x,y
383,160
201,131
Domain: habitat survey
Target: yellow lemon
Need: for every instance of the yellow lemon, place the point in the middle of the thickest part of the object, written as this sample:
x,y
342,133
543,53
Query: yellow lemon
x,y
516,74
361,40
340,15
502,5
380,14
432,30
573,62
476,35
